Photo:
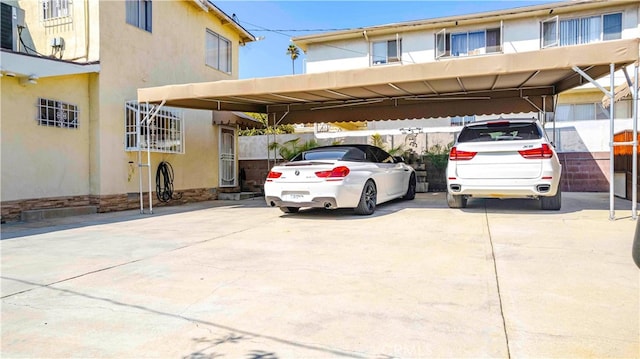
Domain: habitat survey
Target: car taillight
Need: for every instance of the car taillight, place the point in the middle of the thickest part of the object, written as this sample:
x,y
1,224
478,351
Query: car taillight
x,y
338,172
537,153
457,155
272,175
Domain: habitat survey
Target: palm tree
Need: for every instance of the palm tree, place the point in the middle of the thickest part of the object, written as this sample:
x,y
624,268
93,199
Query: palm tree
x,y
294,52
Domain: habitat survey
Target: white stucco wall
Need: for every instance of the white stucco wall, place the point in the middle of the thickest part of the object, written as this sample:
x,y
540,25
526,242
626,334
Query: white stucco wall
x,y
519,35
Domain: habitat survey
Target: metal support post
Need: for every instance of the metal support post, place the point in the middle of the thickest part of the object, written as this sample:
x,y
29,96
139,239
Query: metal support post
x,y
612,94
634,173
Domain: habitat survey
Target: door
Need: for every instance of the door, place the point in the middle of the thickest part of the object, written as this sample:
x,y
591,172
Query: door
x,y
227,162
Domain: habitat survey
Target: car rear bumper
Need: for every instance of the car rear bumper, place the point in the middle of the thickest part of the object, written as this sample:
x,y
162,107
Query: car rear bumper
x,y
318,195
504,188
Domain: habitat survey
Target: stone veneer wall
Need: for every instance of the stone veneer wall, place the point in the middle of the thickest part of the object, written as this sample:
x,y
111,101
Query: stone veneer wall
x,y
11,210
585,171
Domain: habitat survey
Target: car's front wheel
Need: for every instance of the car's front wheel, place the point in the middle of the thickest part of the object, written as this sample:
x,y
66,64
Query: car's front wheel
x,y
456,201
290,209
367,204
552,203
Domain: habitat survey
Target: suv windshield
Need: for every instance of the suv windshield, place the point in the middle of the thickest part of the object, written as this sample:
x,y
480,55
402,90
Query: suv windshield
x,y
500,131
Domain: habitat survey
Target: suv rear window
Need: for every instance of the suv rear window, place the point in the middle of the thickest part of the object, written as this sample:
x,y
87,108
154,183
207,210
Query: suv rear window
x,y
500,131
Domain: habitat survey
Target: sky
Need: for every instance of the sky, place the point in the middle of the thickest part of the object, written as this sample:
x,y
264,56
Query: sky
x,y
274,23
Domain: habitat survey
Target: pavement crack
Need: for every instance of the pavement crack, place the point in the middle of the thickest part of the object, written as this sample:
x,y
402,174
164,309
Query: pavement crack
x,y
495,271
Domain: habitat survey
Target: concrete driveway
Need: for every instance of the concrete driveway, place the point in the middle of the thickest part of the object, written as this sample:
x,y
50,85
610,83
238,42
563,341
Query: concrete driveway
x,y
500,279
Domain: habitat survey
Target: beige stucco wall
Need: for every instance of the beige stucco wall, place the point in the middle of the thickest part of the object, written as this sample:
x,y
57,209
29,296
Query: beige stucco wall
x,y
174,52
78,31
43,161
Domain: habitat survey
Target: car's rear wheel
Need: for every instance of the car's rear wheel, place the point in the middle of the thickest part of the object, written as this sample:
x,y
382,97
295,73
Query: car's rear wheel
x,y
552,203
456,201
367,204
290,209
411,190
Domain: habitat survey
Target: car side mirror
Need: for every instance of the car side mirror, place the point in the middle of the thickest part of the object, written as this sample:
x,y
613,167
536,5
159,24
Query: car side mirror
x,y
398,159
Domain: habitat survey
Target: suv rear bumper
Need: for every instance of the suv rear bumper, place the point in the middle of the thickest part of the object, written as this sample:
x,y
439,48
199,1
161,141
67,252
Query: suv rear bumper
x,y
514,189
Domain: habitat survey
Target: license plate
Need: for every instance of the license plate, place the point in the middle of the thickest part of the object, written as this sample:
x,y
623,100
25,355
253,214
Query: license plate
x,y
294,197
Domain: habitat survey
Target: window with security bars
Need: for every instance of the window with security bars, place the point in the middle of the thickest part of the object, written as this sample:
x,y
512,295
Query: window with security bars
x,y
54,9
162,132
57,114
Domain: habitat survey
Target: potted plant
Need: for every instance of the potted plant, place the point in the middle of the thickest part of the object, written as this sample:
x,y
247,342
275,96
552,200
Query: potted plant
x,y
436,158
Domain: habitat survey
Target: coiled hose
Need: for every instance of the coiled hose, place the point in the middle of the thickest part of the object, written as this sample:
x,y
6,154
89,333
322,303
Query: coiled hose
x,y
164,182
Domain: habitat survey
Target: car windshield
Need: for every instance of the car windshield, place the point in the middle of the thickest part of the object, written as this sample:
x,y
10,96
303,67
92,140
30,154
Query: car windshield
x,y
500,131
331,154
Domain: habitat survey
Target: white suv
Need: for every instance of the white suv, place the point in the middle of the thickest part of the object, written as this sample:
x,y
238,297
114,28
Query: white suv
x,y
503,159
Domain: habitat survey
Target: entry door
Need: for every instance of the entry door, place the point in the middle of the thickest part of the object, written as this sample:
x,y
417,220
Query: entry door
x,y
227,161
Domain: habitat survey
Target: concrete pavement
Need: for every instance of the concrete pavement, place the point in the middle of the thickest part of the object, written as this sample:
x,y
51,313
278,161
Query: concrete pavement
x,y
236,279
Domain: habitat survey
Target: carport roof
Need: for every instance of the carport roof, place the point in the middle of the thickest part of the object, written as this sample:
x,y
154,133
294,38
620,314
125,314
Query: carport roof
x,y
490,84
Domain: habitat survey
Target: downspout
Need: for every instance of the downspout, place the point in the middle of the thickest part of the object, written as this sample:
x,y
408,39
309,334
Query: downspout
x,y
87,32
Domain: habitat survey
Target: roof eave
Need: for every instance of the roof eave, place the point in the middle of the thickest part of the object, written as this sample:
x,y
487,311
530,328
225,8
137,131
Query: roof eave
x,y
245,35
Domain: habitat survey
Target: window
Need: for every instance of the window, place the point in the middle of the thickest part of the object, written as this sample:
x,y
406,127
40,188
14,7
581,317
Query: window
x,y
53,9
139,13
383,52
462,120
591,111
550,33
57,114
612,27
468,43
165,132
584,30
218,52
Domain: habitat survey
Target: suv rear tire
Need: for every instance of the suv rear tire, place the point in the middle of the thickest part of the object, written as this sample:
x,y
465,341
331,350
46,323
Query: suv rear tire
x,y
456,201
552,203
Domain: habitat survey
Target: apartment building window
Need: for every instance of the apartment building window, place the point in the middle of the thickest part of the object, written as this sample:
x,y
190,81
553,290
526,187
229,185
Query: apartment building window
x,y
468,43
591,111
388,51
53,9
218,52
164,134
566,32
139,13
57,114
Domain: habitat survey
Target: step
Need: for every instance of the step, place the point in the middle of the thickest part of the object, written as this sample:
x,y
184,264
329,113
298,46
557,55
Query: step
x,y
236,196
46,213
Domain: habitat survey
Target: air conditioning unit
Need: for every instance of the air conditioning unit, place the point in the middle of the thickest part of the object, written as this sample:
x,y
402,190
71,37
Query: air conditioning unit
x,y
11,22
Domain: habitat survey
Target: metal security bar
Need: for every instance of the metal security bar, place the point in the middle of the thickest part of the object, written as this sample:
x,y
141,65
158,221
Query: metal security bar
x,y
165,133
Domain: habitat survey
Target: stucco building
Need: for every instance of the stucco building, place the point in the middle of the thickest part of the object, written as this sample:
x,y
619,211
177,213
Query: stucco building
x,y
70,117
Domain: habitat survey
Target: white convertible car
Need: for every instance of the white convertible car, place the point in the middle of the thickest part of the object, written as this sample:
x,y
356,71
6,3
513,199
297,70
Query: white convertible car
x,y
340,176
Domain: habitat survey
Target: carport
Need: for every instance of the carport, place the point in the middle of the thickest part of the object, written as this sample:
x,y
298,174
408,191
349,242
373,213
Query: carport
x,y
478,85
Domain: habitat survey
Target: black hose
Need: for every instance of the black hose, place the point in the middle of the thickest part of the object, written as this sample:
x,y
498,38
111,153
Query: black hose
x,y
164,182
